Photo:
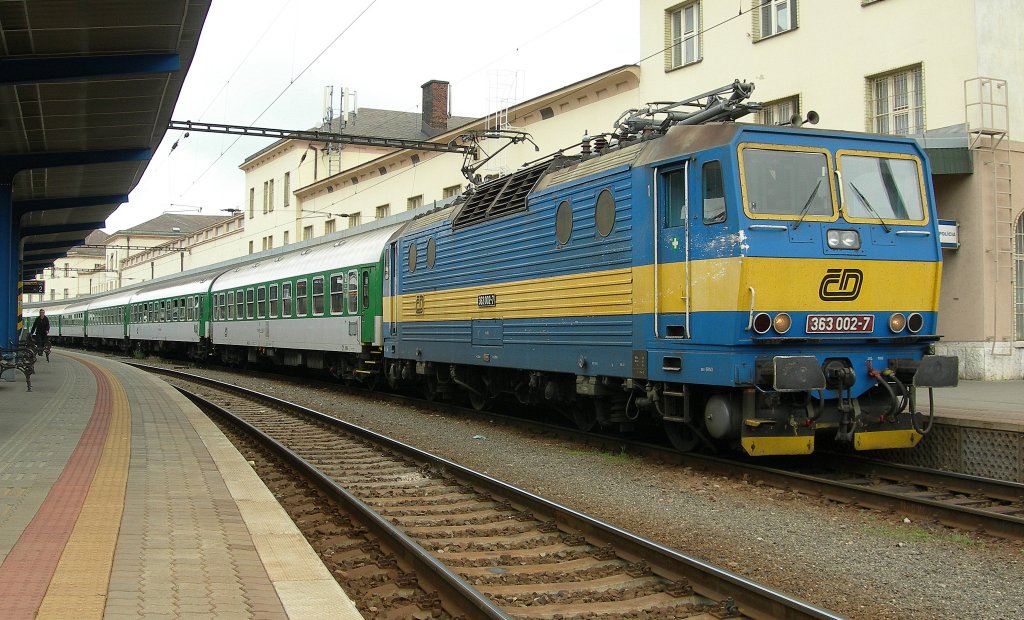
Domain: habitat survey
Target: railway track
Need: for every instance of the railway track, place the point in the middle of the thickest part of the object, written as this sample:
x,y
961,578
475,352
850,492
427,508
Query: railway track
x,y
477,546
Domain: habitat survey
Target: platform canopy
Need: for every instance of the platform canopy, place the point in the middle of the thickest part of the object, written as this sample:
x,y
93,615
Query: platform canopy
x,y
86,93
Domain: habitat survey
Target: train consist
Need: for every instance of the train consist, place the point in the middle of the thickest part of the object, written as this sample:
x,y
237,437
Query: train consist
x,y
739,285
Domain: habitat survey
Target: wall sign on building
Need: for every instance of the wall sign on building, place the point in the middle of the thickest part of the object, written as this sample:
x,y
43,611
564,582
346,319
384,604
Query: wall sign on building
x,y
949,234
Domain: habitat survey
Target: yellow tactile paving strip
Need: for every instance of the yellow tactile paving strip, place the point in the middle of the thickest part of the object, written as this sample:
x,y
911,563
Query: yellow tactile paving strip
x,y
79,585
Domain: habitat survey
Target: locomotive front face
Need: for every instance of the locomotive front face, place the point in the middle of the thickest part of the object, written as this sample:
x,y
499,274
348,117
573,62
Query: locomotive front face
x,y
827,298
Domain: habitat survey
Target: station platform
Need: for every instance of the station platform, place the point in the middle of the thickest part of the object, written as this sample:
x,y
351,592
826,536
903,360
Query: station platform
x,y
120,499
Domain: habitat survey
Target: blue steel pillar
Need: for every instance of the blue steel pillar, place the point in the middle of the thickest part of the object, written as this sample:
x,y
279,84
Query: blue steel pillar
x,y
10,258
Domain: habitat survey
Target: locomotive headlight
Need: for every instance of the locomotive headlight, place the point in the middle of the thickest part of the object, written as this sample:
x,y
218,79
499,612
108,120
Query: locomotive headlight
x,y
782,322
839,239
897,322
762,323
915,322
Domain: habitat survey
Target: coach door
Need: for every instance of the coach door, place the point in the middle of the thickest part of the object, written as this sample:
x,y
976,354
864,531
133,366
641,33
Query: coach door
x,y
671,252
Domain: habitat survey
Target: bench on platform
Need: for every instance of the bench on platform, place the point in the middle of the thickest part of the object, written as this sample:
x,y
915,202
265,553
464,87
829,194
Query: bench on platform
x,y
21,358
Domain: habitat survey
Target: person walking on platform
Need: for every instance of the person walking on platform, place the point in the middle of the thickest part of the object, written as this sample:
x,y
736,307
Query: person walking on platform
x,y
41,330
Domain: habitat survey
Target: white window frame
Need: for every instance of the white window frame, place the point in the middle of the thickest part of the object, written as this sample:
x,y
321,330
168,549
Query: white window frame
x,y
771,10
895,102
685,48
780,111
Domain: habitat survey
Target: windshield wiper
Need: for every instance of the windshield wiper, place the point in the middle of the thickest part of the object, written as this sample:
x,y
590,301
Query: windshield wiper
x,y
867,204
807,206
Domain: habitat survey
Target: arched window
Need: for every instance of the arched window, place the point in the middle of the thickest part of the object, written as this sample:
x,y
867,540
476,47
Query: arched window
x,y
1018,286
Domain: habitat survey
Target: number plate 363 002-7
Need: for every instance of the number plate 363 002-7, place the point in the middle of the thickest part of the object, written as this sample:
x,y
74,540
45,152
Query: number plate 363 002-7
x,y
840,323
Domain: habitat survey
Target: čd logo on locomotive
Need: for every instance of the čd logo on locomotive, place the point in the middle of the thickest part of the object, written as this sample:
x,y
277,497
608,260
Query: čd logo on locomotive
x,y
840,284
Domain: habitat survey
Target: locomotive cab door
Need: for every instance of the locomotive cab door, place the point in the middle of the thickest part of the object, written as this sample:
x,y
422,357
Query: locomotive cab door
x,y
671,252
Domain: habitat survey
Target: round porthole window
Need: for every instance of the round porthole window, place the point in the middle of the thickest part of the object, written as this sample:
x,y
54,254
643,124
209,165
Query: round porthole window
x,y
412,257
431,253
563,222
604,213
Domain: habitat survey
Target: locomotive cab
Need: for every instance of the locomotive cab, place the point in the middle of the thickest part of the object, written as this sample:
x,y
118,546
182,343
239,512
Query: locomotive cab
x,y
805,274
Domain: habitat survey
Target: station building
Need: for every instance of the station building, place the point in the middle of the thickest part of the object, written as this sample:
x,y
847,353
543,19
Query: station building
x,y
947,72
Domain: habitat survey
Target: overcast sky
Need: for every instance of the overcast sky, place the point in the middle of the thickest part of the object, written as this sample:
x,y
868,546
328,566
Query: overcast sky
x,y
267,63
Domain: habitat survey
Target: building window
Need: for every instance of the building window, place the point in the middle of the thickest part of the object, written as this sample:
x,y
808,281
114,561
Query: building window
x,y
250,247
383,211
252,202
895,102
266,195
329,226
454,190
683,30
287,198
778,112
354,219
307,232
284,241
1018,293
772,17
414,202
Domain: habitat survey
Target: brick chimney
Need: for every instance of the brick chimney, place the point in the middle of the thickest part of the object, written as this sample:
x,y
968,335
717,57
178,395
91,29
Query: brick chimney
x,y
435,107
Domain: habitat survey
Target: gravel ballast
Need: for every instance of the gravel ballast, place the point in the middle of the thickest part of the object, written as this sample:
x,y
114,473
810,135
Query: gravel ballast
x,y
861,563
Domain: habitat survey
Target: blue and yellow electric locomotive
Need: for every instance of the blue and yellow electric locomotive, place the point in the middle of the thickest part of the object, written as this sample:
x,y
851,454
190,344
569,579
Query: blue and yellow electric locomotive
x,y
739,284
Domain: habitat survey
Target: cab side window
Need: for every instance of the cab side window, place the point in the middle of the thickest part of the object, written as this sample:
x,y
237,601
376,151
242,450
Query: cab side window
x,y
714,192
674,197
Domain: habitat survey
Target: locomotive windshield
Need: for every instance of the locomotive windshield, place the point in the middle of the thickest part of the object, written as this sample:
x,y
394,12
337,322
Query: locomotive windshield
x,y
787,183
883,188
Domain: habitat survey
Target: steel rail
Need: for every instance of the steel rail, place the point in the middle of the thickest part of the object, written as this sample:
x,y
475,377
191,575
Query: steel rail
x,y
462,598
752,599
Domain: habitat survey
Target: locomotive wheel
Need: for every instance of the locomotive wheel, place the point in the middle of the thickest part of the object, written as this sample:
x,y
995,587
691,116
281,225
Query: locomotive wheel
x,y
478,401
429,386
585,417
683,438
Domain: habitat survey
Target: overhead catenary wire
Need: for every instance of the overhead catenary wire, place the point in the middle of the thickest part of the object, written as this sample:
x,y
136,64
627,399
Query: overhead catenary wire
x,y
740,13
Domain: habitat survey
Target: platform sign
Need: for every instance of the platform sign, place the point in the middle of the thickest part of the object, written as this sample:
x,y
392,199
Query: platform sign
x,y
949,234
33,287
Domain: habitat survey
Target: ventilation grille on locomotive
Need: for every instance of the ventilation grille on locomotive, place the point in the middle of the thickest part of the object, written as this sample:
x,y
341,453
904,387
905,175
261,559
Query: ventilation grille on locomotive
x,y
500,197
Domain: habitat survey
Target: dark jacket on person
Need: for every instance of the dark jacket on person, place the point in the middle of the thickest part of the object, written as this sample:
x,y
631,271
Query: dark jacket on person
x,y
41,327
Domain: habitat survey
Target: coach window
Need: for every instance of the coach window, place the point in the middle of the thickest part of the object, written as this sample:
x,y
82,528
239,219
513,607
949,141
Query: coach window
x,y
240,304
412,257
673,197
318,296
190,308
163,312
714,192
250,303
286,299
231,305
301,302
181,308
174,310
273,301
337,293
431,253
353,292
261,302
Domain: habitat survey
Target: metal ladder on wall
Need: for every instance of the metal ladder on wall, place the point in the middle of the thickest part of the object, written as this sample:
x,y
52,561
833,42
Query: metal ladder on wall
x,y
987,113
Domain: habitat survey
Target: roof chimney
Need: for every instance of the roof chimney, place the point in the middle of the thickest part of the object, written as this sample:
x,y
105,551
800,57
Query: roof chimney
x,y
434,111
